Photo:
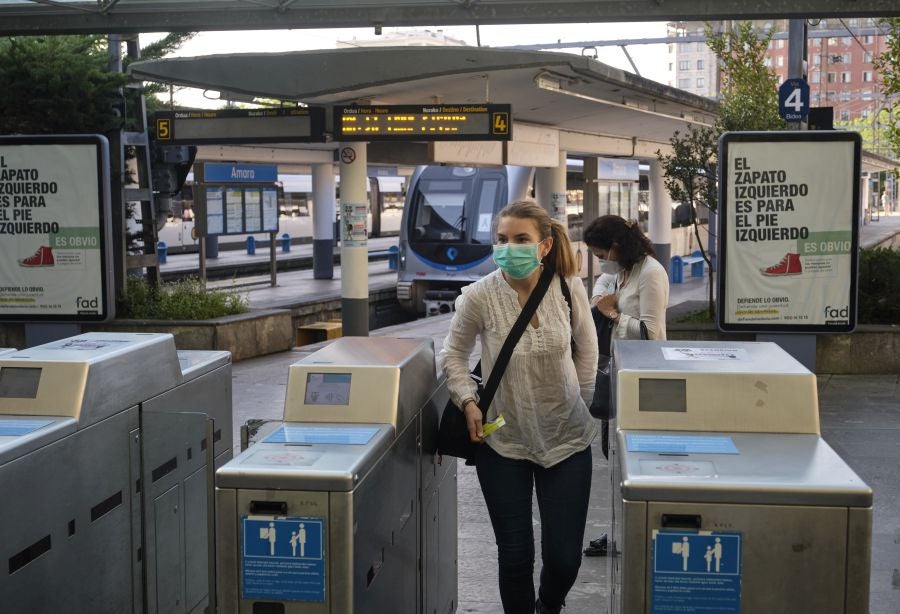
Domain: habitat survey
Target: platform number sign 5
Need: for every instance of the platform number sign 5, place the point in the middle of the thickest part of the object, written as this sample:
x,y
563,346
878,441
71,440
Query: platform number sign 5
x,y
793,100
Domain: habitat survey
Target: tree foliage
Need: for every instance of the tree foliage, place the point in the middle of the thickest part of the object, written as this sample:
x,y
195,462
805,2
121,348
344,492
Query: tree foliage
x,y
749,87
888,65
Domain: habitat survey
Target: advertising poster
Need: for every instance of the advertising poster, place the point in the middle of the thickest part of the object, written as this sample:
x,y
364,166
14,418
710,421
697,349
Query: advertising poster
x,y
215,211
54,229
354,230
270,209
788,236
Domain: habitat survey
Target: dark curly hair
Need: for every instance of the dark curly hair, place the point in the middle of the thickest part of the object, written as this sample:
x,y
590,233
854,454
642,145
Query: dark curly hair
x,y
611,230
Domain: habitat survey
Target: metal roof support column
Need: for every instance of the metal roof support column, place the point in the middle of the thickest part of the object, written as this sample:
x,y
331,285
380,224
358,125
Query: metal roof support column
x,y
323,221
660,218
354,230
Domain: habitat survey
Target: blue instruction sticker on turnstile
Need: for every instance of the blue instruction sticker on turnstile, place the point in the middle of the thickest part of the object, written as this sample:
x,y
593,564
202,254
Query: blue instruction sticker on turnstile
x,y
696,572
283,558
680,444
349,435
16,428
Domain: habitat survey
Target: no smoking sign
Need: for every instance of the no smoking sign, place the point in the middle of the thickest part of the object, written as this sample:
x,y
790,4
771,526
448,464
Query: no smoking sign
x,y
348,155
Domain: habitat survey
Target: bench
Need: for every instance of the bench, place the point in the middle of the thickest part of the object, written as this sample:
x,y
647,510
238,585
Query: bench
x,y
696,262
318,331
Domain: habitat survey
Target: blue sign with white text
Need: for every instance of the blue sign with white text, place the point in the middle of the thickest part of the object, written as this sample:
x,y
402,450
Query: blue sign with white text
x,y
214,172
696,572
283,558
680,444
793,100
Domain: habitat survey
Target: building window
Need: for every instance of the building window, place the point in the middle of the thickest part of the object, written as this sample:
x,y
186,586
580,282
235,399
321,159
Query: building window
x,y
815,77
779,43
684,46
845,116
867,77
832,41
815,97
845,77
701,83
780,61
867,95
767,61
701,46
845,96
832,77
845,40
817,60
870,21
671,66
868,39
683,64
684,83
699,64
865,113
847,58
867,57
671,48
853,22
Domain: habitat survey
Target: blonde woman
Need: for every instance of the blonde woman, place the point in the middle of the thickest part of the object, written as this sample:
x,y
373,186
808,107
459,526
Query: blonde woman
x,y
543,396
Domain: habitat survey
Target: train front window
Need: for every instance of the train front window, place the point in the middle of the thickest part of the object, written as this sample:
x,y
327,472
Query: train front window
x,y
488,199
441,210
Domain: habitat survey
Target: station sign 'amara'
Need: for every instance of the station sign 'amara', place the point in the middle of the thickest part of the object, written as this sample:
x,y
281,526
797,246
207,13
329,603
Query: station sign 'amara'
x,y
235,126
432,122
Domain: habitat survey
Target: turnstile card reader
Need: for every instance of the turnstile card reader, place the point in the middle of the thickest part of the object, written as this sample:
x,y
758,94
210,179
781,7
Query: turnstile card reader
x,y
726,498
107,448
338,510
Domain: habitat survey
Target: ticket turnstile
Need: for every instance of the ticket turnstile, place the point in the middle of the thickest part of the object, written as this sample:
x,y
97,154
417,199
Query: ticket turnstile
x,y
726,498
5,351
108,444
344,508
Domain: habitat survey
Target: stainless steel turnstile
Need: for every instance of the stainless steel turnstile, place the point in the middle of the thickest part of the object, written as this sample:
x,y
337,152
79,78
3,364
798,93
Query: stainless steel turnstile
x,y
5,351
726,498
344,508
108,444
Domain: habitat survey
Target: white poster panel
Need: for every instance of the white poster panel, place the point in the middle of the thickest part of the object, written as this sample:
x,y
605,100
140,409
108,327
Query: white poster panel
x,y
54,229
215,211
252,210
270,209
234,210
789,232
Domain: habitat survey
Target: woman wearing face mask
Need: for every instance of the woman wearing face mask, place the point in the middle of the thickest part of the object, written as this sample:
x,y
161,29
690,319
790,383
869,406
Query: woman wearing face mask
x,y
543,396
635,286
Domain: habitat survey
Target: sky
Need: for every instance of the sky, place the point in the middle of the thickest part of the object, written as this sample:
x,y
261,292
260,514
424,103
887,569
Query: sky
x,y
651,60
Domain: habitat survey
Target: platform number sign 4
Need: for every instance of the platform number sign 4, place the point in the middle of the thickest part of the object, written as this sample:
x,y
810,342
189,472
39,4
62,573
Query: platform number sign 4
x,y
793,100
500,123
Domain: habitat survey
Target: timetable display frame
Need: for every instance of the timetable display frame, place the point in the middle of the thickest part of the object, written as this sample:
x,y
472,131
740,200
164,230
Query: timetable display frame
x,y
427,122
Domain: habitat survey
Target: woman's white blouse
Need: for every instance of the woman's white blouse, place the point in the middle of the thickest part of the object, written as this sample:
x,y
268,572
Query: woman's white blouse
x,y
643,297
544,392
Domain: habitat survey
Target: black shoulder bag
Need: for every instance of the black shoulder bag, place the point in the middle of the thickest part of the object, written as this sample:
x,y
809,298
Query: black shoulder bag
x,y
453,432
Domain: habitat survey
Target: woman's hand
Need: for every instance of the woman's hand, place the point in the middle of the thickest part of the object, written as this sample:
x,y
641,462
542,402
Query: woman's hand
x,y
608,306
473,421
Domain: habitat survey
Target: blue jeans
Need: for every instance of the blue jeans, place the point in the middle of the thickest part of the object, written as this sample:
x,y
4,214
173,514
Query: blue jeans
x,y
562,492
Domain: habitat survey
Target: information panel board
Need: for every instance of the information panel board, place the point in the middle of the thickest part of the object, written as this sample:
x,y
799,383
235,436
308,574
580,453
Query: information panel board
x,y
430,122
235,126
788,231
237,198
55,247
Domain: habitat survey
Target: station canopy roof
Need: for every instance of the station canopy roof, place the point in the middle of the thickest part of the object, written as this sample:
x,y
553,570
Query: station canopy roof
x,y
565,91
129,16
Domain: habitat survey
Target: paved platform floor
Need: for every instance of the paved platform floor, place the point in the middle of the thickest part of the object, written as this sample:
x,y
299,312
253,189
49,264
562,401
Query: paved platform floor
x,y
860,417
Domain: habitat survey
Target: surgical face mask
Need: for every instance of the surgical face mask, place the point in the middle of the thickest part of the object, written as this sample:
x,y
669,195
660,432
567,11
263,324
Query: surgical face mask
x,y
518,260
609,266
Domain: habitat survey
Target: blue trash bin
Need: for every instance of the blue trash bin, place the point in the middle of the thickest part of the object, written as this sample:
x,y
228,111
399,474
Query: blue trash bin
x,y
251,245
393,258
677,270
162,252
285,242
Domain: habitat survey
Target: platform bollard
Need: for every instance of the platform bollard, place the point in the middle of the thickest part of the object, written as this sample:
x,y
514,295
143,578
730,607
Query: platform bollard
x,y
677,270
162,252
393,257
285,242
251,245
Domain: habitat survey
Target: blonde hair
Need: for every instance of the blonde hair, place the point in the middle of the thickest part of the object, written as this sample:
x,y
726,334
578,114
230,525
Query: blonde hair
x,y
560,257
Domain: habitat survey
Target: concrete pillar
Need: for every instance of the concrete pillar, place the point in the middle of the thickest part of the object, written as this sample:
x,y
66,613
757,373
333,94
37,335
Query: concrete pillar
x,y
354,231
660,216
865,195
550,189
591,206
323,221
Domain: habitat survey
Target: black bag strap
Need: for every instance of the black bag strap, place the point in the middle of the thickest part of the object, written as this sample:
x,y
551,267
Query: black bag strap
x,y
515,333
564,287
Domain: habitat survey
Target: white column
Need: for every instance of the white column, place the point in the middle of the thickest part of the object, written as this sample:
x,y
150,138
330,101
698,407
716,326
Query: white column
x,y
323,221
660,217
354,230
550,189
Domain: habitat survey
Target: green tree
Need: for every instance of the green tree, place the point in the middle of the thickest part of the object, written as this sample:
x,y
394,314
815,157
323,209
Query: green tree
x,y
749,101
888,65
749,87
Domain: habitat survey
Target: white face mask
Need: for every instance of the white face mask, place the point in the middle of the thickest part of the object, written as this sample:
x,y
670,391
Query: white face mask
x,y
609,266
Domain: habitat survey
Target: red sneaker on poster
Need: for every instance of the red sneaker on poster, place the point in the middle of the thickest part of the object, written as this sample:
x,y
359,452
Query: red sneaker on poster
x,y
789,265
42,257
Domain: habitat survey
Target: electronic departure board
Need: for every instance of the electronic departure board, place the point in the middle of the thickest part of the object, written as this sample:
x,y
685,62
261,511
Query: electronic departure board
x,y
206,127
432,122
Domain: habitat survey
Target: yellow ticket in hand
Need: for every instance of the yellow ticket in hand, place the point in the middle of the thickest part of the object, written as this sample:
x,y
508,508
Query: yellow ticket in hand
x,y
493,425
